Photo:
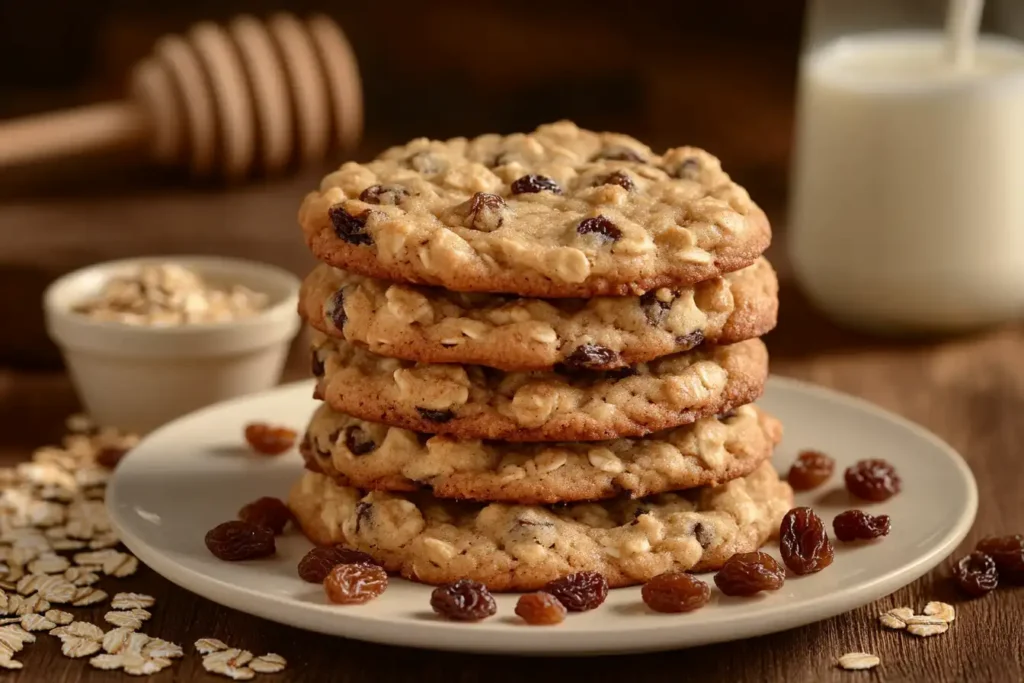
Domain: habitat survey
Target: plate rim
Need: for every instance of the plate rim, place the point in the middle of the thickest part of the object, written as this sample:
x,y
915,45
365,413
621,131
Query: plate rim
x,y
441,635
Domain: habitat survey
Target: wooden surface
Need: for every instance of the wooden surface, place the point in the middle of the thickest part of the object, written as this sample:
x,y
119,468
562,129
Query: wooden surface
x,y
970,391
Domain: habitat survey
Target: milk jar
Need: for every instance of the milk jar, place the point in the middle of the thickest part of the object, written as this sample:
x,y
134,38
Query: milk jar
x,y
907,207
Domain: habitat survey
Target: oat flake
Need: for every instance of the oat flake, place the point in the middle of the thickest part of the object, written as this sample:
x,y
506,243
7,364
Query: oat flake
x,y
941,610
132,600
858,661
208,645
925,630
270,663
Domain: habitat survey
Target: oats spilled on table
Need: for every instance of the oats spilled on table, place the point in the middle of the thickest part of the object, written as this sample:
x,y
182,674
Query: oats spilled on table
x,y
169,294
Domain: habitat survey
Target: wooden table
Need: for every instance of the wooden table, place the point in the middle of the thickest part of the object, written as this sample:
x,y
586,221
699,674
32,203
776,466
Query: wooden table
x,y
969,390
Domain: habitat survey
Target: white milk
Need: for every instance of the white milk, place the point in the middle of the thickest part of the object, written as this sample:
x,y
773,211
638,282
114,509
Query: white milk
x,y
908,201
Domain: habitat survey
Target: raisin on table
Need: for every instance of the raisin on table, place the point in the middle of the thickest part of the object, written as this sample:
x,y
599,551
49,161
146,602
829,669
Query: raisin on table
x,y
856,525
464,600
266,511
810,470
236,541
579,592
804,542
675,592
355,584
976,574
1008,554
746,574
540,609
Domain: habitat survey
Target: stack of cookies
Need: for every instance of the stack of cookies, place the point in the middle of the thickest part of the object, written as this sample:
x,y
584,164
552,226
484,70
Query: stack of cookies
x,y
537,355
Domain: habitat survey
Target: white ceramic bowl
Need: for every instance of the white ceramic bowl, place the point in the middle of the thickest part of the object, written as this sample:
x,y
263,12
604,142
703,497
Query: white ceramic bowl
x,y
139,377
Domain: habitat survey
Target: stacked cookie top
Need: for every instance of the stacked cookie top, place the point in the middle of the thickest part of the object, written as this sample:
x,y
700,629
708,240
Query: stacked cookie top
x,y
556,317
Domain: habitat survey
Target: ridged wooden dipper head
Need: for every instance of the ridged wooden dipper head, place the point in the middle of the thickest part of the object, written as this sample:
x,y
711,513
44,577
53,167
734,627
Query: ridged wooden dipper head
x,y
250,97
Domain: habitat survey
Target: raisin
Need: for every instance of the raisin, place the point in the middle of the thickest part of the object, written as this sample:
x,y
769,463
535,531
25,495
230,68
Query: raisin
x,y
976,574
440,416
804,542
874,480
355,584
746,574
364,511
855,525
619,178
484,212
601,226
620,153
579,592
703,534
727,415
654,307
235,541
590,357
316,365
810,470
689,169
1008,554
268,439
530,184
690,340
337,309
357,441
384,194
464,600
540,609
350,228
110,456
266,511
675,592
318,562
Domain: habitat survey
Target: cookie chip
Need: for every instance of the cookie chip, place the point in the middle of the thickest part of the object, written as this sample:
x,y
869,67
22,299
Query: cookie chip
x,y
432,325
368,455
560,212
522,547
475,402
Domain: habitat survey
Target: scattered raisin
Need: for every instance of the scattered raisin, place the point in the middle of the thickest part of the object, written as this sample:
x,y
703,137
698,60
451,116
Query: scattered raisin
x,y
874,480
109,456
354,584
384,194
540,609
234,541
268,439
747,574
976,574
350,228
675,592
318,562
579,592
590,357
464,600
855,525
810,470
357,441
654,307
530,184
690,340
440,416
484,211
804,542
599,225
1008,554
266,511
316,365
619,178
620,153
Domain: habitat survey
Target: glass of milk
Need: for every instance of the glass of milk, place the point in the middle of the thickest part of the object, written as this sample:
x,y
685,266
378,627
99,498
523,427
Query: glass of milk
x,y
907,207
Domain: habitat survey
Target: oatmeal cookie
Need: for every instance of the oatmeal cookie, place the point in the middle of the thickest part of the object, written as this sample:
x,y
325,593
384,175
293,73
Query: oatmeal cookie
x,y
559,212
373,456
522,547
432,325
476,402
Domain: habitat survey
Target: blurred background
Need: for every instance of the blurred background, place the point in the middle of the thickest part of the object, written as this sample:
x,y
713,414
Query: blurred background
x,y
721,75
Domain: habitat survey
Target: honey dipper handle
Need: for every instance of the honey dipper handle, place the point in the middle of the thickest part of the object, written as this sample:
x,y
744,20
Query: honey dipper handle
x,y
84,129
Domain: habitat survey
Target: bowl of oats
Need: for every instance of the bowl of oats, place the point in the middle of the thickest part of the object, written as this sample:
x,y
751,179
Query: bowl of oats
x,y
147,340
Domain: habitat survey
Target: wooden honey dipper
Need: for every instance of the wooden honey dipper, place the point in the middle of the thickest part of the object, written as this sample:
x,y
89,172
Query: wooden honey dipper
x,y
232,101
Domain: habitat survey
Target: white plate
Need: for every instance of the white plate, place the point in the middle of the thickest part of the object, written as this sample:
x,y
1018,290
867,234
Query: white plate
x,y
195,473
